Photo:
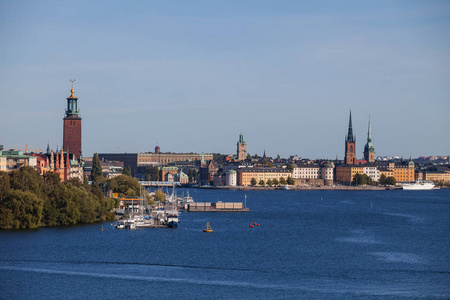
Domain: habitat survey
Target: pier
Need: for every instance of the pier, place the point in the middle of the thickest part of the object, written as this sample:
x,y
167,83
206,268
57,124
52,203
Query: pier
x,y
216,207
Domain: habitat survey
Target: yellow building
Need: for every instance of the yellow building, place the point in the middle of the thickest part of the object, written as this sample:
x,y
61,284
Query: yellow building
x,y
403,173
3,163
245,175
437,176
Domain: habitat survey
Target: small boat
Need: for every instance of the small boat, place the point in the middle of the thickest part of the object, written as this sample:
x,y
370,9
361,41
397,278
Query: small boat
x,y
120,225
207,228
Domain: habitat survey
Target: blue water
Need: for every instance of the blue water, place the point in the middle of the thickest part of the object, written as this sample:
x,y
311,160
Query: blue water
x,y
310,245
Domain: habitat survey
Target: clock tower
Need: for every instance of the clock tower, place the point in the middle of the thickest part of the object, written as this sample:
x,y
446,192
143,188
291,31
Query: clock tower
x,y
72,126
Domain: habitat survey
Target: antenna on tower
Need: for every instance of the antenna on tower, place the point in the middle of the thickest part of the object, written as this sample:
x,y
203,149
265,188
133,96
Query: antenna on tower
x,y
72,80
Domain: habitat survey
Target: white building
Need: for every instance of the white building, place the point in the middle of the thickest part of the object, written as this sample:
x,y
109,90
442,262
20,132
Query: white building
x,y
231,178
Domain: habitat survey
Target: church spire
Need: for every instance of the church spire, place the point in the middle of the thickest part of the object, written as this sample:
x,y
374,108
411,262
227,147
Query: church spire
x,y
369,133
350,137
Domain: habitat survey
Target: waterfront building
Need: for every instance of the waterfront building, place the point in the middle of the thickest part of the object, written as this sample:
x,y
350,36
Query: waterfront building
x,y
207,172
437,176
245,175
163,171
327,173
350,144
148,159
404,173
306,171
371,171
345,173
369,149
72,126
181,177
315,174
241,148
231,178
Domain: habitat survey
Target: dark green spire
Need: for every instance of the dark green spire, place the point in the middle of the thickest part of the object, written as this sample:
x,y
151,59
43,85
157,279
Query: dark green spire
x,y
350,137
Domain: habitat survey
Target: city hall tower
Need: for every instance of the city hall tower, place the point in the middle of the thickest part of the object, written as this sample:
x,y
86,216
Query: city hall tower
x,y
72,126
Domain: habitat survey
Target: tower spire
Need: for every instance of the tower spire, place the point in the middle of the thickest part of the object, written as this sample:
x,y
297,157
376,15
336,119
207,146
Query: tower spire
x,y
350,136
369,132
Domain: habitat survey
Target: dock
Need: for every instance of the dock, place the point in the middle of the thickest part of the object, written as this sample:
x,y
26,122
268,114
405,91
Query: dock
x,y
215,207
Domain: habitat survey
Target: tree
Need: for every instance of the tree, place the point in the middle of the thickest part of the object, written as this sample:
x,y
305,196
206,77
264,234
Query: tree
x,y
275,182
152,174
382,179
391,180
261,182
96,173
283,181
362,179
291,168
192,174
126,171
125,186
290,181
269,182
249,156
269,164
20,209
253,182
160,196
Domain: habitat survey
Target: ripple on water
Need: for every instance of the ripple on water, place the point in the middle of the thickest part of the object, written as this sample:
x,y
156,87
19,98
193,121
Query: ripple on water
x,y
359,237
410,218
398,257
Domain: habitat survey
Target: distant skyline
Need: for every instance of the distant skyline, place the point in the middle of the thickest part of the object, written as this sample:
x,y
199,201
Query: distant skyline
x,y
190,76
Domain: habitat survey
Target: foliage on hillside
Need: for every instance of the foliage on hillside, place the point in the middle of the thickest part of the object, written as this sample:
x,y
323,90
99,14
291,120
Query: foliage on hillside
x,y
29,200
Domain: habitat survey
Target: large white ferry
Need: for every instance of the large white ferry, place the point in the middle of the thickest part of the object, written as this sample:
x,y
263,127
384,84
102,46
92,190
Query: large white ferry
x,y
418,185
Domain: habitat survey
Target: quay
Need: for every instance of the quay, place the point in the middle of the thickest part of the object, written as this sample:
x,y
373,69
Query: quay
x,y
215,207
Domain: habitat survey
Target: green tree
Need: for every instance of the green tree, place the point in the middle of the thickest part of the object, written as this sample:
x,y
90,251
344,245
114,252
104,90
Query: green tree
x,y
253,182
96,173
269,182
269,164
152,174
275,182
20,209
249,156
283,181
5,184
160,196
391,180
291,168
382,179
290,181
125,186
261,182
126,171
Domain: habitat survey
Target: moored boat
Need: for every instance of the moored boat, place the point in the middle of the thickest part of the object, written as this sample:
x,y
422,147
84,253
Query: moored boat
x,y
418,185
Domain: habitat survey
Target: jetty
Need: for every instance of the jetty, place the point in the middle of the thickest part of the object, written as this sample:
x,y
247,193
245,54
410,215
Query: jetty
x,y
216,207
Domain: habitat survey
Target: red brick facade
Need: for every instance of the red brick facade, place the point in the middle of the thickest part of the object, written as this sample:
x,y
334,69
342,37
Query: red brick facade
x,y
72,135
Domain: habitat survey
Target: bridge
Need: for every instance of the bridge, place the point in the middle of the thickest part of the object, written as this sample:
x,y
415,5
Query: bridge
x,y
159,183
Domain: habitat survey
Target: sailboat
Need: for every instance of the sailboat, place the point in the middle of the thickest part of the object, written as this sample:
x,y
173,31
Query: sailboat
x,y
207,228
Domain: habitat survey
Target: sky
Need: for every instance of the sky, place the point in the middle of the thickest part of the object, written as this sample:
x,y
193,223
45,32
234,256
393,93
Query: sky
x,y
190,76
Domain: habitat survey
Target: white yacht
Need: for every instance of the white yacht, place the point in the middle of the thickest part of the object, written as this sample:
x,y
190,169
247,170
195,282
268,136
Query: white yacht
x,y
418,185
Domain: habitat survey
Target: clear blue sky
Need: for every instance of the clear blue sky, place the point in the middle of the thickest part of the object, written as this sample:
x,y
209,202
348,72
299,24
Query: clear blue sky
x,y
189,76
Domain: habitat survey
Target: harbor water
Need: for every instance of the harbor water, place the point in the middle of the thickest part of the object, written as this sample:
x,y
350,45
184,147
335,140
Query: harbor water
x,y
309,245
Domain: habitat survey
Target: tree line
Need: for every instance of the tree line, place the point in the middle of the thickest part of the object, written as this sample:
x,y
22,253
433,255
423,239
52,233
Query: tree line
x,y
29,200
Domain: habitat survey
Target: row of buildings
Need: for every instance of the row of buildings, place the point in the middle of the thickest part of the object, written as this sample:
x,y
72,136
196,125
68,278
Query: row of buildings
x,y
208,169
